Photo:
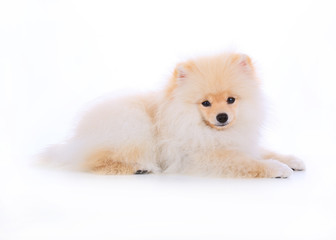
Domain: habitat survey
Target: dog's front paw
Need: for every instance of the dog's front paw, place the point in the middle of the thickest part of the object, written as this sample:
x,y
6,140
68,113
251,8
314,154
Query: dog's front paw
x,y
276,169
295,163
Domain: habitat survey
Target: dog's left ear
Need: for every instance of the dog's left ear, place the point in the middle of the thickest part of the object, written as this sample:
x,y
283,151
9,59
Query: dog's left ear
x,y
244,61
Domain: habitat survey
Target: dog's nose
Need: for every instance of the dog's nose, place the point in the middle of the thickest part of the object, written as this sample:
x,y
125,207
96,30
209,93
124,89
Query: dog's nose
x,y
222,117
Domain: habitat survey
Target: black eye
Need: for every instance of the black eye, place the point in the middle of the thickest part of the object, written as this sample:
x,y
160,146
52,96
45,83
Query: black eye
x,y
230,100
206,103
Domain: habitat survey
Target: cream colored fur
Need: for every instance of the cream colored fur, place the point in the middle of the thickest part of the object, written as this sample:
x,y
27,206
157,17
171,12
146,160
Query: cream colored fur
x,y
170,131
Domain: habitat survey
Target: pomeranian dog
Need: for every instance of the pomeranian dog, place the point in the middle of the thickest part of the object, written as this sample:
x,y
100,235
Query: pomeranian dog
x,y
206,122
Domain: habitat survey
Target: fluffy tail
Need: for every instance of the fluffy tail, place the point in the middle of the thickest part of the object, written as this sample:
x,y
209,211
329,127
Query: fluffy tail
x,y
62,155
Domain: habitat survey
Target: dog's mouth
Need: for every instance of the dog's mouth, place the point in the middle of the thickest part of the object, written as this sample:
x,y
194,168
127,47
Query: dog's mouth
x,y
222,124
218,126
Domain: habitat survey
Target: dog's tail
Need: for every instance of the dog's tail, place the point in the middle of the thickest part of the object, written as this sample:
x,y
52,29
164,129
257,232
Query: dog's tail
x,y
62,155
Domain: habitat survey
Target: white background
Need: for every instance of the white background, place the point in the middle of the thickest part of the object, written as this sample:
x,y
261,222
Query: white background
x,y
56,56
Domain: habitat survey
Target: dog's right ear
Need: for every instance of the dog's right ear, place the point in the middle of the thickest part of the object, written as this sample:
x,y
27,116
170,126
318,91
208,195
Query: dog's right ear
x,y
183,70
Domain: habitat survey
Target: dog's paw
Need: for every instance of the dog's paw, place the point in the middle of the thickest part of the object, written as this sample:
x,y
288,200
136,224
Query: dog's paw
x,y
295,163
142,172
277,169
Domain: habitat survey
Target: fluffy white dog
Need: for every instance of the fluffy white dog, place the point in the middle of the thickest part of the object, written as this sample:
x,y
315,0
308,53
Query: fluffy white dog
x,y
206,122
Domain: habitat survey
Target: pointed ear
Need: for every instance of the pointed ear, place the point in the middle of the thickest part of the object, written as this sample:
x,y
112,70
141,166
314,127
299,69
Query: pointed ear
x,y
183,70
244,61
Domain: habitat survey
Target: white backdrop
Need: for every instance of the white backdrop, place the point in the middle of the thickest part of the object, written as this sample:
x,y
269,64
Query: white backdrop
x,y
56,56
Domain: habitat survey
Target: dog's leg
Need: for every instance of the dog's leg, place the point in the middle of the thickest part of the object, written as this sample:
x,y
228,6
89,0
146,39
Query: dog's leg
x,y
237,164
108,162
114,162
122,161
293,162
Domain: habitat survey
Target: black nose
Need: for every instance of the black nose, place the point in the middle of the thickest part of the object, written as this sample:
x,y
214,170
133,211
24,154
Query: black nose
x,y
222,117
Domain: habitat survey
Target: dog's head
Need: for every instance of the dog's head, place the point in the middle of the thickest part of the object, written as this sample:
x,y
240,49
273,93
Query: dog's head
x,y
224,88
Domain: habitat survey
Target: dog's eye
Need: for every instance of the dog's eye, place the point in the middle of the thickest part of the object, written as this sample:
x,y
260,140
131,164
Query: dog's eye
x,y
206,103
230,100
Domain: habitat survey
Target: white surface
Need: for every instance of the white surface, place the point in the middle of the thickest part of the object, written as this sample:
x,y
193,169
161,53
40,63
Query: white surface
x,y
57,56
48,204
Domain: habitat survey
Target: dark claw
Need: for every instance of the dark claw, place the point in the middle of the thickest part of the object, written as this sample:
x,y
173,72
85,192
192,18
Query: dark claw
x,y
297,170
281,177
141,172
